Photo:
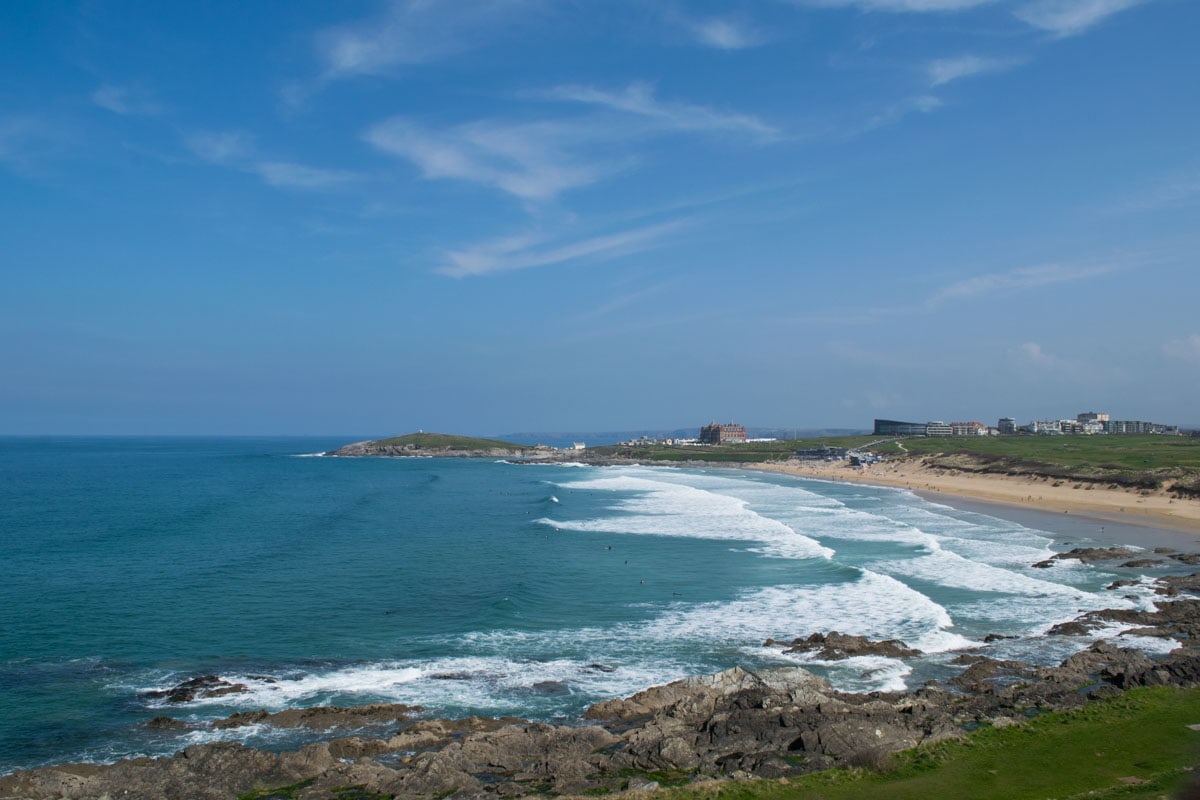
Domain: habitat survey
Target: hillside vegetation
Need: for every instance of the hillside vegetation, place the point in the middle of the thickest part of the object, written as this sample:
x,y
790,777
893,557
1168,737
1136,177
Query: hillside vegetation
x,y
1138,745
1132,462
446,441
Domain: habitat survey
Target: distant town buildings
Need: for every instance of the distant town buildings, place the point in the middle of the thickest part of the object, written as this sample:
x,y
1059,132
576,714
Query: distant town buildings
x,y
1087,423
1092,423
717,433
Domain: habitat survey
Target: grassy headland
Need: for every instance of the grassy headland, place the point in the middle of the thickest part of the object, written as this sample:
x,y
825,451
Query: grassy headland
x,y
445,441
1137,745
1130,462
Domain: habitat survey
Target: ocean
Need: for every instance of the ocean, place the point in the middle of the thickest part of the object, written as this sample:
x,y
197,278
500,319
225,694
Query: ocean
x,y
128,565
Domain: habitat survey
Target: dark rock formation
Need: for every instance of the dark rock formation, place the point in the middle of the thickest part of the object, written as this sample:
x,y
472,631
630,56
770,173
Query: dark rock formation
x,y
1139,563
1171,585
322,717
205,686
835,646
1089,555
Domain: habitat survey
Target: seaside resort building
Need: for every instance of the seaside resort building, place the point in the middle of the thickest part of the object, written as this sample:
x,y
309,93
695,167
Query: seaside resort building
x,y
720,434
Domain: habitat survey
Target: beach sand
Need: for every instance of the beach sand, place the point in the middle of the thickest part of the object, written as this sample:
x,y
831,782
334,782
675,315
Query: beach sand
x,y
1103,514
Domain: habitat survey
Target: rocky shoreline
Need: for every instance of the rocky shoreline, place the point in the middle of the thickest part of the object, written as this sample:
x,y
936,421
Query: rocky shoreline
x,y
732,725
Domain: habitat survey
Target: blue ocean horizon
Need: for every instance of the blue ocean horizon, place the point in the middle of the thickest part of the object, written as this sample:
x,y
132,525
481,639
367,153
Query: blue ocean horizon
x,y
132,564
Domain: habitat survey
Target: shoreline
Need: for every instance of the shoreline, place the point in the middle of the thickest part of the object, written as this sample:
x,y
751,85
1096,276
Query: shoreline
x,y
1156,516
424,756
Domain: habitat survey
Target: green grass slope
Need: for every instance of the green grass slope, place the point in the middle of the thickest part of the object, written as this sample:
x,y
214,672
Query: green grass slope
x,y
446,441
1113,452
1137,745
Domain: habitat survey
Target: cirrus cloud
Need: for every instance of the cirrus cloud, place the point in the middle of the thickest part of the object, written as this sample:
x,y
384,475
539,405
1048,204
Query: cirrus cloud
x,y
1069,17
524,251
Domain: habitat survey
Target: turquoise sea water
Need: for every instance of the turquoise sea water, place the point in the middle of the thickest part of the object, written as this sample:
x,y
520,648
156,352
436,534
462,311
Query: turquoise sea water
x,y
129,565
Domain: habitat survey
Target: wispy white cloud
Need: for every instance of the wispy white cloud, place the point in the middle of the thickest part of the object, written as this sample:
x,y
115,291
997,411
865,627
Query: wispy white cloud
x,y
1022,278
220,147
724,33
126,100
236,150
412,32
1059,17
522,252
946,70
639,99
288,175
919,104
914,6
529,160
1187,348
1069,17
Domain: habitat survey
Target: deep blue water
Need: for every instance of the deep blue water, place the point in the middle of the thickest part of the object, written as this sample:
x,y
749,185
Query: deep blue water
x,y
131,564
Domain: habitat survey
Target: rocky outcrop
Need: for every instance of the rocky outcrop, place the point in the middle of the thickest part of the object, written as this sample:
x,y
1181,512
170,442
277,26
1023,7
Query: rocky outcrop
x,y
321,717
204,687
1089,555
771,723
834,646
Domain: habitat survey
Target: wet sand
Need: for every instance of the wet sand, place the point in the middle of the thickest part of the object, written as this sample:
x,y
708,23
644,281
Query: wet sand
x,y
1100,514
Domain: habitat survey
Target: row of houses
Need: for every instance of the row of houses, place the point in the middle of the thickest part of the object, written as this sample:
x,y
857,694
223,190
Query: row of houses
x,y
1087,423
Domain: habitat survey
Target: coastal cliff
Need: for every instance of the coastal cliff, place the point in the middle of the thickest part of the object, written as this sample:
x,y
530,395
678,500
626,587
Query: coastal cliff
x,y
776,723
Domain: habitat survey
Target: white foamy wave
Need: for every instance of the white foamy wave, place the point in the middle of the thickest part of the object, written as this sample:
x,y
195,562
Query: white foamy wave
x,y
271,693
666,508
307,455
865,673
1034,614
261,735
1153,645
950,569
491,684
876,606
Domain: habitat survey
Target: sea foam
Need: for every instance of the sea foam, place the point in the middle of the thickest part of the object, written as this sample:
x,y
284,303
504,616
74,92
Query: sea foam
x,y
665,508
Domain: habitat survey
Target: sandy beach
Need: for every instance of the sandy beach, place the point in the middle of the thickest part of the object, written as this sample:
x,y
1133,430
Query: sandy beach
x,y
1130,508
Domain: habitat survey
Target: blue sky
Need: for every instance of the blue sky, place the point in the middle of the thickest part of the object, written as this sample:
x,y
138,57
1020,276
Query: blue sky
x,y
497,215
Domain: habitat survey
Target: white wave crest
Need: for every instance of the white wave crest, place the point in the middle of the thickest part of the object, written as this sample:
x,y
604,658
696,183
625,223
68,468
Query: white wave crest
x,y
667,508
